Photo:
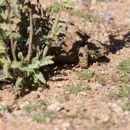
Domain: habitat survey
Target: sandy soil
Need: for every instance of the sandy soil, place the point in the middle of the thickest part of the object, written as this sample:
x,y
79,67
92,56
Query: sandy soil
x,y
98,106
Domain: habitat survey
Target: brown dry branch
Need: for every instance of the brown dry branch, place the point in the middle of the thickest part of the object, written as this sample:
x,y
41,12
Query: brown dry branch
x,y
53,31
11,39
30,36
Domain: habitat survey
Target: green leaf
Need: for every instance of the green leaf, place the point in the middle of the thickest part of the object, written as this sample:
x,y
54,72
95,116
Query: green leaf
x,y
7,27
46,39
35,65
3,15
16,65
2,2
67,5
38,78
46,61
15,35
55,7
18,82
58,29
6,66
35,59
2,47
27,71
14,7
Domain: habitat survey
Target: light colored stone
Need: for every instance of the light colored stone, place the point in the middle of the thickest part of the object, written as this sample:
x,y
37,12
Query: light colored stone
x,y
23,104
104,117
56,106
116,108
83,93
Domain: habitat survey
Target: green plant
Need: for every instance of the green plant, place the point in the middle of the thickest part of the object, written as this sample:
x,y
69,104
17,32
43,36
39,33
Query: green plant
x,y
85,74
34,107
126,107
79,87
82,14
101,79
124,66
4,107
43,117
124,70
123,83
124,90
26,33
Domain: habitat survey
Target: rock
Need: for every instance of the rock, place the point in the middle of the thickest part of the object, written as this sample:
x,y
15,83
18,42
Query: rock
x,y
23,104
66,126
18,113
104,117
59,84
56,106
97,86
116,108
83,93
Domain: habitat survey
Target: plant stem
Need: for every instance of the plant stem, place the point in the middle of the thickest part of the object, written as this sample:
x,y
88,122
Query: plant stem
x,y
13,49
30,36
11,39
45,51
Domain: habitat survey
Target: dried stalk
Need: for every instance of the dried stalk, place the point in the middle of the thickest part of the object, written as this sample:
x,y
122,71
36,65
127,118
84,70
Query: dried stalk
x,y
53,31
30,36
11,39
13,49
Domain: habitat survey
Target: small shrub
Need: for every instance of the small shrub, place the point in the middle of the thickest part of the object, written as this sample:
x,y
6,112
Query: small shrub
x,y
85,74
4,107
89,75
82,14
124,66
77,88
27,30
126,107
34,107
124,90
101,79
123,83
43,117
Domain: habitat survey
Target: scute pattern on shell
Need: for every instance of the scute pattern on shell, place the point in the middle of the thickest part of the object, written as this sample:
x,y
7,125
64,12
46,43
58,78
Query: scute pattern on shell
x,y
76,47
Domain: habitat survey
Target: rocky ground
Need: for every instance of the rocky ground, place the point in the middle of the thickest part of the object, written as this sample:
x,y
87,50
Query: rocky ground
x,y
79,99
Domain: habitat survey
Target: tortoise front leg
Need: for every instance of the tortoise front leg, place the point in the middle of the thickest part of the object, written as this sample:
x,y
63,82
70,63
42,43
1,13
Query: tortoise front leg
x,y
83,57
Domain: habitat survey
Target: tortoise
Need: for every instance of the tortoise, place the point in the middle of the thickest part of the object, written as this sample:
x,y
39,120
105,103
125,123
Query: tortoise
x,y
73,46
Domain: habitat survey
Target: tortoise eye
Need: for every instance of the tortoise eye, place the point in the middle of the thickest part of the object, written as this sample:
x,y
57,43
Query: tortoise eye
x,y
97,51
80,54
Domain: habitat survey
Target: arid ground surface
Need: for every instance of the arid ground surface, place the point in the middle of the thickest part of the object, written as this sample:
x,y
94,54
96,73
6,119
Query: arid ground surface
x,y
73,103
